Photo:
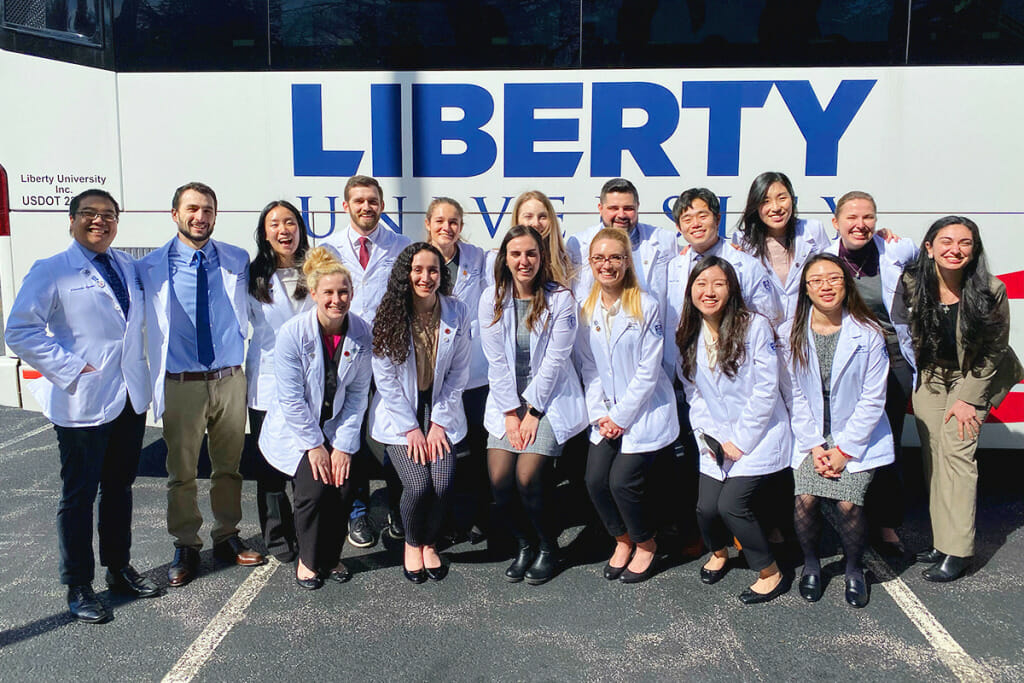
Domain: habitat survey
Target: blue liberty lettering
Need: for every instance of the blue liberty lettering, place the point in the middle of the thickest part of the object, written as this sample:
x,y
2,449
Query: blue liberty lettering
x,y
609,138
309,158
822,129
522,129
725,101
831,201
401,216
492,226
561,216
429,131
309,217
386,129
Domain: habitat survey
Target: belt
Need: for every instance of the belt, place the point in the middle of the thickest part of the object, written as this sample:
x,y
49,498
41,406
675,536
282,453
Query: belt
x,y
204,376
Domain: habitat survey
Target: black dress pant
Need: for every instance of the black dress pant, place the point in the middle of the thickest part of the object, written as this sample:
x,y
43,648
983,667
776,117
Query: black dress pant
x,y
321,513
103,459
277,523
617,483
725,509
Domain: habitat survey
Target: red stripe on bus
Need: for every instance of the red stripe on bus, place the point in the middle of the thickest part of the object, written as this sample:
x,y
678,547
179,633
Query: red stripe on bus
x,y
31,374
1014,284
1010,410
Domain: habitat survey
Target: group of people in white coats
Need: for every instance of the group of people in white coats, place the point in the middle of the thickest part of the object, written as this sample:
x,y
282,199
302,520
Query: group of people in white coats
x,y
782,361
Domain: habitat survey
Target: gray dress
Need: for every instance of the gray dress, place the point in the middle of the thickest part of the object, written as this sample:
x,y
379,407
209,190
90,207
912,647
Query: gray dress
x,y
546,443
850,486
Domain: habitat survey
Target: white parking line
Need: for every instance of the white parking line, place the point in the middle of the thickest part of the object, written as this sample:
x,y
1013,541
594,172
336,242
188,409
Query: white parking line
x,y
22,437
199,652
963,666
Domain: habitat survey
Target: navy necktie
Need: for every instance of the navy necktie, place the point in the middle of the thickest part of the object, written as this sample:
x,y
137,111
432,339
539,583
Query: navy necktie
x,y
204,336
102,261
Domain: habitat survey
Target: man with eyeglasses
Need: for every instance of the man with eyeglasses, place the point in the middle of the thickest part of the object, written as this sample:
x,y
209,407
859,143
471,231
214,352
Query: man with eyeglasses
x,y
94,389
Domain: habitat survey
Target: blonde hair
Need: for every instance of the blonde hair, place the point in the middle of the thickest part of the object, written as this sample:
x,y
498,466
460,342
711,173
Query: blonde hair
x,y
562,270
631,291
321,261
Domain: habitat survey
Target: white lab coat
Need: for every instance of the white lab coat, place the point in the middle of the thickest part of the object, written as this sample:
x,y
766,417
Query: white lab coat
x,y
811,239
555,388
154,270
624,380
892,257
860,371
657,246
469,283
266,320
747,409
759,294
292,426
393,411
371,283
67,295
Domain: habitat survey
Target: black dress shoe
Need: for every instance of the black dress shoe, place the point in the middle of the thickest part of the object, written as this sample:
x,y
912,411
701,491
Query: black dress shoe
x,y
233,550
476,535
639,577
360,533
340,574
752,597
930,556
856,591
523,561
611,573
713,576
184,567
85,606
311,584
395,529
950,568
128,581
811,587
543,568
418,576
437,573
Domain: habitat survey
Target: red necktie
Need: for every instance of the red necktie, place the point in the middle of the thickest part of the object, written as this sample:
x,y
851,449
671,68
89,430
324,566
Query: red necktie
x,y
364,252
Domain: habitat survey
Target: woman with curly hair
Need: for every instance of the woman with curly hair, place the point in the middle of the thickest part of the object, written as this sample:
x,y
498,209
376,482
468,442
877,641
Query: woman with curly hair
x,y
959,324
528,327
277,292
421,342
534,210
730,373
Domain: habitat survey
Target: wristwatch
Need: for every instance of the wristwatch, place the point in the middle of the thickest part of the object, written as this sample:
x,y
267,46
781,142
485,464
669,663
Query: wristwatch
x,y
536,413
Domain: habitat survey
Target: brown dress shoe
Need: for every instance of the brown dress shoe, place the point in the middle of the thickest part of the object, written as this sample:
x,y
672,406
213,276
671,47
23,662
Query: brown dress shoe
x,y
233,550
184,567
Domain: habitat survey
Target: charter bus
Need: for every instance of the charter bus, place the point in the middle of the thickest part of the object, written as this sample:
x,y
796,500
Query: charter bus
x,y
916,101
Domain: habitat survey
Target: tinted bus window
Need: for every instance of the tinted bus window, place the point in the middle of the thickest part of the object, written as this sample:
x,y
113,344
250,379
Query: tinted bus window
x,y
424,34
190,35
73,20
967,32
685,33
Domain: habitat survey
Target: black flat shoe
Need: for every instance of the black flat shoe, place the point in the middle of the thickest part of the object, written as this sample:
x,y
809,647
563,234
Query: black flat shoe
x,y
611,573
856,591
930,556
340,574
950,568
543,568
752,597
311,584
437,573
639,577
85,606
524,560
417,577
713,576
476,535
127,581
811,588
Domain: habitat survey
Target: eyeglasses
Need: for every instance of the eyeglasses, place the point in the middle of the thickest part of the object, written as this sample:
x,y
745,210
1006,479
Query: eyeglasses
x,y
90,215
819,282
614,259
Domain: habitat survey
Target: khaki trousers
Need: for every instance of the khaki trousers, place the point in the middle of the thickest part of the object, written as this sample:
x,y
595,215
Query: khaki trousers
x,y
950,468
216,407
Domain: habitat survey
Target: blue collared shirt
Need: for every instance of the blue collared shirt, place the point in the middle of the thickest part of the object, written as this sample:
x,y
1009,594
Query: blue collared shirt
x,y
182,350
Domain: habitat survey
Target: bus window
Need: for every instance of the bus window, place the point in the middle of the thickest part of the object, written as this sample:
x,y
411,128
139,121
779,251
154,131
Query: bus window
x,y
73,20
688,33
966,32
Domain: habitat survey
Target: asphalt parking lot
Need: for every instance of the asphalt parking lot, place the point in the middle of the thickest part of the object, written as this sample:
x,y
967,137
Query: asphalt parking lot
x,y
234,623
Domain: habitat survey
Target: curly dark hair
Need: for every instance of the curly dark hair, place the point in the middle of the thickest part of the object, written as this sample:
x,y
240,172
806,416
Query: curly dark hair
x,y
263,266
732,332
391,331
981,321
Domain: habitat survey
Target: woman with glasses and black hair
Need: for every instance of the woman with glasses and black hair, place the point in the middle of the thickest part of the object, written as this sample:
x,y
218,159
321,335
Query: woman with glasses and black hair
x,y
960,324
277,292
730,372
839,369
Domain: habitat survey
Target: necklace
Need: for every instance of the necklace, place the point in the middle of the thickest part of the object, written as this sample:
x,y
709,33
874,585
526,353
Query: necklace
x,y
857,271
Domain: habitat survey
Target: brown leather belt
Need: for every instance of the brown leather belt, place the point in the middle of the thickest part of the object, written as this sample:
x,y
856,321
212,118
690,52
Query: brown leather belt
x,y
204,376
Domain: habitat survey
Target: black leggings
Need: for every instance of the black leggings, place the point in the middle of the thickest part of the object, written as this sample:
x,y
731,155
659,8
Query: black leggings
x,y
616,482
521,473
